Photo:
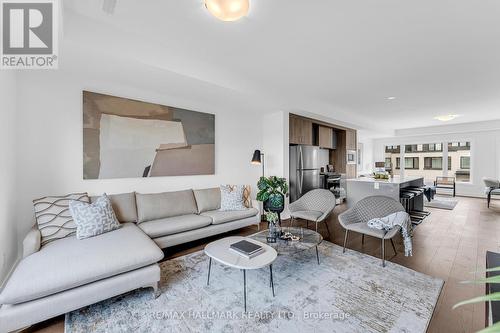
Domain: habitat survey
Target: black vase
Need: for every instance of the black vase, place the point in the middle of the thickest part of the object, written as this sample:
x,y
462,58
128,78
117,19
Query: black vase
x,y
275,203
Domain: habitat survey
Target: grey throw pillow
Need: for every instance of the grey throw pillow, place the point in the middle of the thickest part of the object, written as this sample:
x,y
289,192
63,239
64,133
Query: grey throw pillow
x,y
93,219
232,197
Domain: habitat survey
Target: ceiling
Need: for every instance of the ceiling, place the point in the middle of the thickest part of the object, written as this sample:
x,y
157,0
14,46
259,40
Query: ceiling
x,y
339,59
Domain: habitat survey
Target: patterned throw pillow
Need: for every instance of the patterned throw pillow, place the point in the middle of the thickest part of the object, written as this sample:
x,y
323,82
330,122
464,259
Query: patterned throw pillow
x,y
95,218
232,197
247,196
53,218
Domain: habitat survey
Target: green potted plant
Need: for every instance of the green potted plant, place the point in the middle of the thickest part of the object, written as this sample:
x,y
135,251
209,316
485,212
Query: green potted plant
x,y
272,192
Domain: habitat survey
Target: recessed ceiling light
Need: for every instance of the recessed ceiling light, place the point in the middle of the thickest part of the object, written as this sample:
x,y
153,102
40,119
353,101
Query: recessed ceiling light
x,y
447,117
391,98
228,10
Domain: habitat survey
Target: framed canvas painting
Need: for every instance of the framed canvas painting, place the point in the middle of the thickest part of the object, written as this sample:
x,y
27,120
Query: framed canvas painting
x,y
125,138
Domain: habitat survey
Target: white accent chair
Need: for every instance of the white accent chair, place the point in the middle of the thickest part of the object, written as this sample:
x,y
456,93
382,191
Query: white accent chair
x,y
492,188
314,206
356,218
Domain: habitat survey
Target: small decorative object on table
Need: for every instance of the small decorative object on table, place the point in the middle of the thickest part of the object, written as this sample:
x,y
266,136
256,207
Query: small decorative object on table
x,y
288,236
384,175
274,227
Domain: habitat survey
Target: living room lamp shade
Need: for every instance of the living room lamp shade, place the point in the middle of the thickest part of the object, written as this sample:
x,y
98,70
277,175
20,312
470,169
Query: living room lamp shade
x,y
228,10
258,159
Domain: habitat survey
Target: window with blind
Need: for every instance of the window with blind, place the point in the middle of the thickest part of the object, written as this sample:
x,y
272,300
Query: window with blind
x,y
426,159
388,163
435,163
411,163
465,162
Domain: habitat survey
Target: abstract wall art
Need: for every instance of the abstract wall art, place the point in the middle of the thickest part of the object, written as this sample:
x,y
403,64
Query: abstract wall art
x,y
125,138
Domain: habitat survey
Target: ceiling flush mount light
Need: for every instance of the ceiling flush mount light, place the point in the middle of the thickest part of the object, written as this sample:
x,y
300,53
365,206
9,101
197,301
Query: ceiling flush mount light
x,y
228,10
391,98
446,117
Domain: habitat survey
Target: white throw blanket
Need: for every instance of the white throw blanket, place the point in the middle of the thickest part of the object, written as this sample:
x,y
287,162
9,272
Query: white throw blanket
x,y
387,223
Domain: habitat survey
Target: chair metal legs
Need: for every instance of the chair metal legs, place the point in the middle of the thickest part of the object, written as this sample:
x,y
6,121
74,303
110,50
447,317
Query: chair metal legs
x,y
328,230
345,239
363,240
316,226
393,246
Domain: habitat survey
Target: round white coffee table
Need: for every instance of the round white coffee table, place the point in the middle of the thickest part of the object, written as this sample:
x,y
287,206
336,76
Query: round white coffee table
x,y
220,252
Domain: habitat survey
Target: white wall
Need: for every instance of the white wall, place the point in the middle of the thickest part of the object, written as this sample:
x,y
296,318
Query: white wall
x,y
8,222
498,155
485,153
275,143
368,164
49,135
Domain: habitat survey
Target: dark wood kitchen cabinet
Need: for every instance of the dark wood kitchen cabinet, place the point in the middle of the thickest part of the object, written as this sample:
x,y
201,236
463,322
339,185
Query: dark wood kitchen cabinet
x,y
325,137
301,131
351,139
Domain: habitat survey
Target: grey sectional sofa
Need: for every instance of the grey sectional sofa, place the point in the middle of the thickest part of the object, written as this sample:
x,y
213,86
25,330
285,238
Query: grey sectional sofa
x,y
68,274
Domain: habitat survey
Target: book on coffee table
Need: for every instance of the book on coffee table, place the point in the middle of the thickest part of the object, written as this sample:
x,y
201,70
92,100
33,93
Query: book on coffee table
x,y
246,249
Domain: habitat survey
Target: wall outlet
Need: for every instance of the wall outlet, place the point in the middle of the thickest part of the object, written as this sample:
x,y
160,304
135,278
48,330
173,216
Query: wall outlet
x,y
376,185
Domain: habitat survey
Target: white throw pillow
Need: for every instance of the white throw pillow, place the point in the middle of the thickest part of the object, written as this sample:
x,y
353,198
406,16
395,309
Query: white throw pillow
x,y
93,219
232,197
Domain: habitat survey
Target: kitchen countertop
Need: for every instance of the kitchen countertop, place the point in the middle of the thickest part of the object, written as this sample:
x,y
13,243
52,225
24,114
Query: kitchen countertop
x,y
394,180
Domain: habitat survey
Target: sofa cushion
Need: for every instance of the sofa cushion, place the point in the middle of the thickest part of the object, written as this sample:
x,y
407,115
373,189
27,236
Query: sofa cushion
x,y
161,205
93,219
53,217
124,206
68,263
219,216
207,199
174,225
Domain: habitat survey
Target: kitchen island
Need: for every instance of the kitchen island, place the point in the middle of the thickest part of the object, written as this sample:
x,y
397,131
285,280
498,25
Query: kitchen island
x,y
362,187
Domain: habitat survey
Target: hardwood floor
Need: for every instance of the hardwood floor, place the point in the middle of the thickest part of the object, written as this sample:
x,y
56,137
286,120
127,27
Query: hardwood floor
x,y
450,245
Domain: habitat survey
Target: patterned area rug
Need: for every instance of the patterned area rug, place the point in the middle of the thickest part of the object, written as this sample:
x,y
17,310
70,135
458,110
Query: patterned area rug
x,y
348,292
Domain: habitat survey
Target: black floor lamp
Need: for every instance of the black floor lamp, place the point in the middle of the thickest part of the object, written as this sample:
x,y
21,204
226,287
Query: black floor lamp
x,y
258,158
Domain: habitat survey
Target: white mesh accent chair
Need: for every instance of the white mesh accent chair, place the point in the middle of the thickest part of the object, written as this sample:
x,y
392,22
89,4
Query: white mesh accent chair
x,y
314,206
356,218
492,188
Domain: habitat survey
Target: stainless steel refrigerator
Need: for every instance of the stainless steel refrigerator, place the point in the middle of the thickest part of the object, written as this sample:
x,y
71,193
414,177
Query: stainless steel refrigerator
x,y
304,170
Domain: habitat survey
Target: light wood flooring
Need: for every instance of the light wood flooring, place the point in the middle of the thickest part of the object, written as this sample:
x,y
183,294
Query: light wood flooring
x,y
450,245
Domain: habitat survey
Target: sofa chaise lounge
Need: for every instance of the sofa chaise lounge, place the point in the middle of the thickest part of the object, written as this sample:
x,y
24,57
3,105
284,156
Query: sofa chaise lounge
x,y
68,273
